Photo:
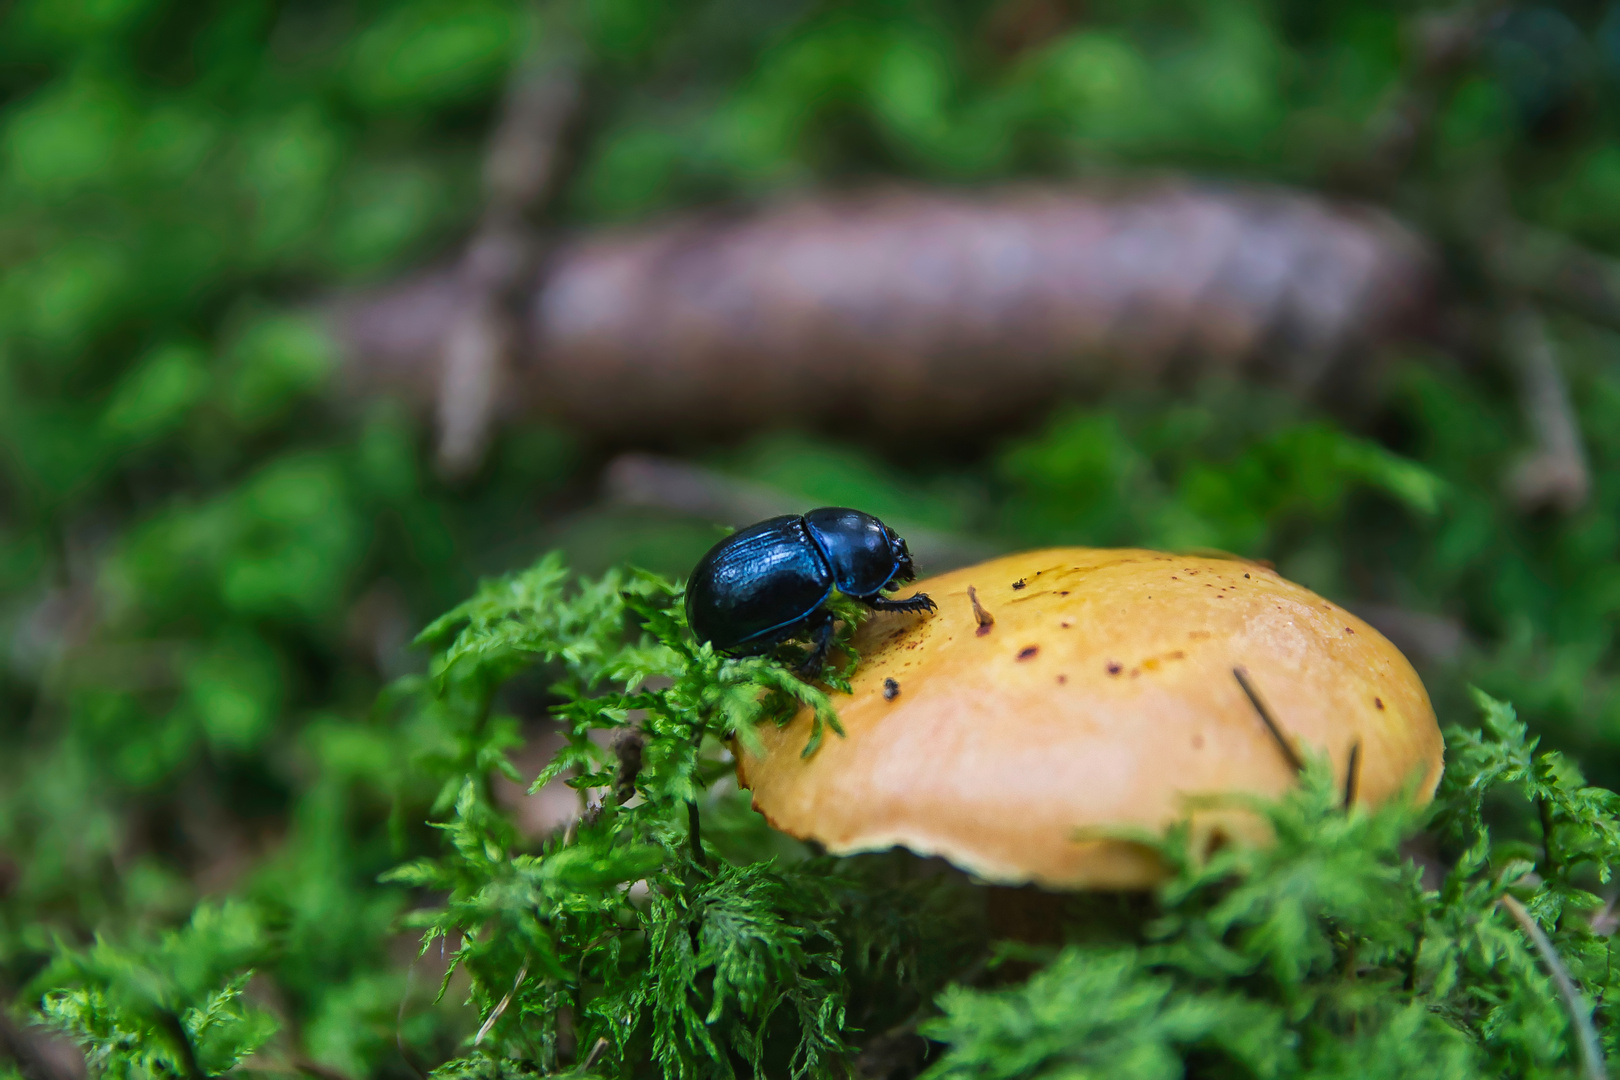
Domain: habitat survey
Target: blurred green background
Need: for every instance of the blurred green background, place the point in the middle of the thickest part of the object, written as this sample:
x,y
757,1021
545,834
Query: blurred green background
x,y
212,556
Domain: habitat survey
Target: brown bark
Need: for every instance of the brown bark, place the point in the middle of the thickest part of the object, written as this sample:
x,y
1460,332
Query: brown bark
x,y
920,311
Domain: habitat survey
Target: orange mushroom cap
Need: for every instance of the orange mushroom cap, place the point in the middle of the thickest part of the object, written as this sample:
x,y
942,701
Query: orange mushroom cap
x,y
1075,689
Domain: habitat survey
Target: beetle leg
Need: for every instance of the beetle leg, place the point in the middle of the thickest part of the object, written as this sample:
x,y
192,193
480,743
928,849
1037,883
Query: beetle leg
x,y
920,602
820,626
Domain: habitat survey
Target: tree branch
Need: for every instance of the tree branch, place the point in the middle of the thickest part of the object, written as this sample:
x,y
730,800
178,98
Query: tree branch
x,y
526,167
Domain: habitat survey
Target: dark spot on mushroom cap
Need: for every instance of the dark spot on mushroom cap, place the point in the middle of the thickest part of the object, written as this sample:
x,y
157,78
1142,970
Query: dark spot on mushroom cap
x,y
1063,678
1019,584
1115,667
891,689
1378,701
1198,742
1245,575
1065,592
1028,651
1349,630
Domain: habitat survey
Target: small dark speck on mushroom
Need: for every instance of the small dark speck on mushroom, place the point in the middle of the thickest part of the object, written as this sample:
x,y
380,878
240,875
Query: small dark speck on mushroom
x,y
1115,667
1065,625
1019,584
1245,575
1349,630
1028,651
1063,678
1065,592
1378,701
891,689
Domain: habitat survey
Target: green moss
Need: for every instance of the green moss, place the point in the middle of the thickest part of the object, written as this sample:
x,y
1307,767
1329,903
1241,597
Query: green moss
x,y
627,940
210,561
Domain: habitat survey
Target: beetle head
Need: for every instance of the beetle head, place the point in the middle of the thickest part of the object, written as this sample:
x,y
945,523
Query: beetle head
x,y
903,569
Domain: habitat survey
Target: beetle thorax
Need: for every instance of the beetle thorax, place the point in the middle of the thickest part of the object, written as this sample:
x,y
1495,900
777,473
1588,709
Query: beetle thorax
x,y
859,548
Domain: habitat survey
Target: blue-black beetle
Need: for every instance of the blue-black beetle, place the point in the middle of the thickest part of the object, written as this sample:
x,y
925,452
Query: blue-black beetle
x,y
770,582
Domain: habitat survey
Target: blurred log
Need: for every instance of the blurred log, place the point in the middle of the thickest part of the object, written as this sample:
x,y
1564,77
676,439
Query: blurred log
x,y
915,311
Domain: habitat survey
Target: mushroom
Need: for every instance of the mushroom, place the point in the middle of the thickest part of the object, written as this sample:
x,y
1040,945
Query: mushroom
x,y
1076,690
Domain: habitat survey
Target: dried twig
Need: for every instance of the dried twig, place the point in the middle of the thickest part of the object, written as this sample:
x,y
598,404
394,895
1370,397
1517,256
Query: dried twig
x,y
1439,46
500,1006
399,1018
1593,1066
1555,472
525,169
1553,269
597,1050
1283,744
980,615
668,484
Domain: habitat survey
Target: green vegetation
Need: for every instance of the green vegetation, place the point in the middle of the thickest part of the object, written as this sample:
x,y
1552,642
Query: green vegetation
x,y
626,943
212,561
